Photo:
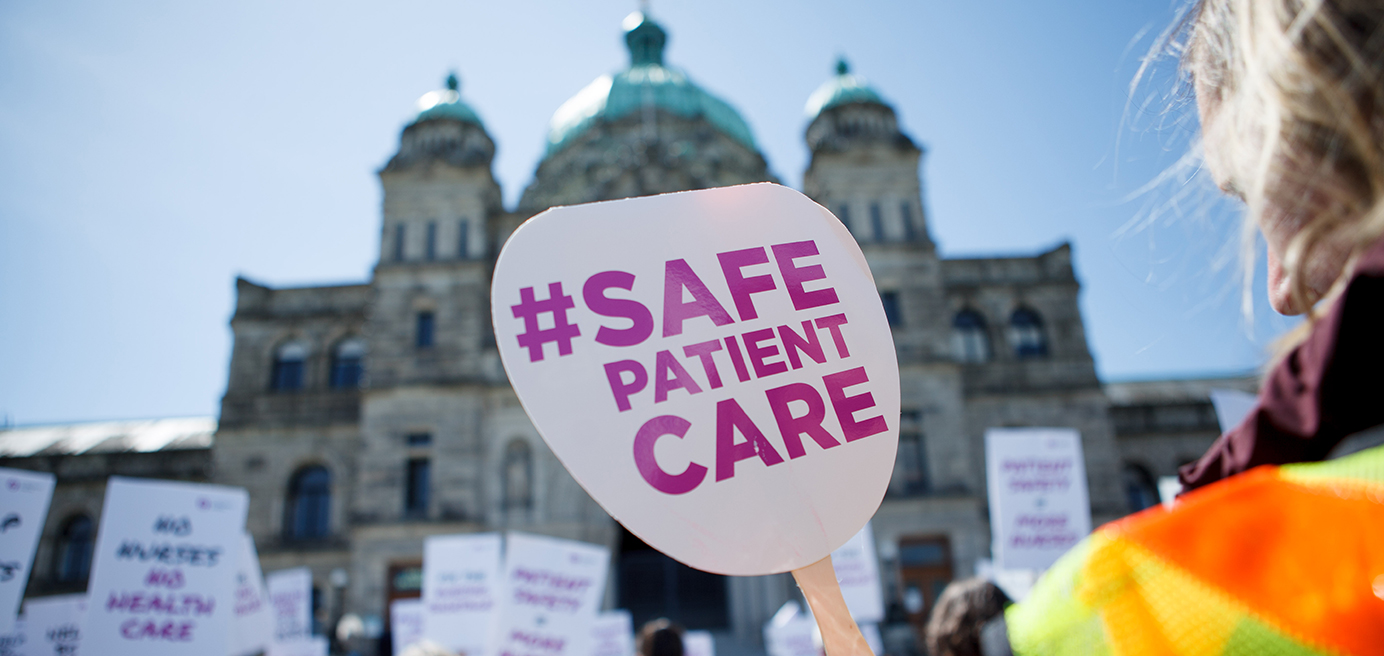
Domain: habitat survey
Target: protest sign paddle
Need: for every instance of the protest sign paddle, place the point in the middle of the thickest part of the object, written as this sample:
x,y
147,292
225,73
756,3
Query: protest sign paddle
x,y
716,369
163,576
290,601
24,498
54,625
552,593
460,579
405,623
612,634
253,626
1039,504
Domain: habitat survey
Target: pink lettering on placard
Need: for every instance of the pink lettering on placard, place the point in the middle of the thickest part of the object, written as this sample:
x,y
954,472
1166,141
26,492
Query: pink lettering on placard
x,y
833,324
160,603
703,351
737,359
794,276
1038,474
810,423
758,353
615,375
730,418
847,406
741,287
669,376
530,309
807,343
677,276
164,578
641,320
168,630
536,640
644,461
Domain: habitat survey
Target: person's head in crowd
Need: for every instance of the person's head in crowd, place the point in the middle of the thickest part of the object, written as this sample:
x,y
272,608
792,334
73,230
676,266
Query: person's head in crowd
x,y
660,637
959,616
1292,111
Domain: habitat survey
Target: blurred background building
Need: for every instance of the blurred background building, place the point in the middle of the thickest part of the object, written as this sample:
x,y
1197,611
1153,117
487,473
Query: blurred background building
x,y
365,417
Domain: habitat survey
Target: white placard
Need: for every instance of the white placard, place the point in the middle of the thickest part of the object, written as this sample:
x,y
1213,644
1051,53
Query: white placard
x,y
461,577
405,623
714,367
698,643
290,600
612,634
791,632
24,498
308,646
1039,505
15,642
857,572
254,621
552,592
54,625
163,576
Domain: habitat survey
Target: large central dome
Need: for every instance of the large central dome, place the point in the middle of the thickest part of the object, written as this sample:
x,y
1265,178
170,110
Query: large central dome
x,y
642,131
647,82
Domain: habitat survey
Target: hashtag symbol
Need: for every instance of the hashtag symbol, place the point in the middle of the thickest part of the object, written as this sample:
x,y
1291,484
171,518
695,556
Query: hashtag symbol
x,y
562,332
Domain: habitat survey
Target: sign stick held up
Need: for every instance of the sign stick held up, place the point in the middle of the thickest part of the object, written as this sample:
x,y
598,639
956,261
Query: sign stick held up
x,y
840,635
692,356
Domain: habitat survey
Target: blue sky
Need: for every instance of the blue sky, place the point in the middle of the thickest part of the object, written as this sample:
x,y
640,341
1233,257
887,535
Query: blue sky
x,y
152,151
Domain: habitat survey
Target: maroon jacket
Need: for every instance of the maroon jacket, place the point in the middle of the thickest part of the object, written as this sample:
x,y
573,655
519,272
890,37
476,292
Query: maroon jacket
x,y
1324,390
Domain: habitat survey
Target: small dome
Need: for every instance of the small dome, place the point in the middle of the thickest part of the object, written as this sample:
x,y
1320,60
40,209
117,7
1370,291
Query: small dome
x,y
646,82
842,89
446,104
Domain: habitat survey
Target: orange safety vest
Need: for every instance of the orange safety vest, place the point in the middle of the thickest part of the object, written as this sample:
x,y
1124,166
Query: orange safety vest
x,y
1277,560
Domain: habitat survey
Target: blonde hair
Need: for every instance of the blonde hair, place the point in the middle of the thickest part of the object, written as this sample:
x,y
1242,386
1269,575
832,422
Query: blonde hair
x,y
1298,87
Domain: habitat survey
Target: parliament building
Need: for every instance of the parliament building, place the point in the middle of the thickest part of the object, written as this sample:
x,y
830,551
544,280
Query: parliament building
x,y
364,417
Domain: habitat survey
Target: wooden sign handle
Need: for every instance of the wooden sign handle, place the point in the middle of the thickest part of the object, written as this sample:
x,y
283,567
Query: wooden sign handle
x,y
840,635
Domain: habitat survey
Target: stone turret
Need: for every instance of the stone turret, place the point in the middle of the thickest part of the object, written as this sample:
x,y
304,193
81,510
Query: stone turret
x,y
864,168
439,191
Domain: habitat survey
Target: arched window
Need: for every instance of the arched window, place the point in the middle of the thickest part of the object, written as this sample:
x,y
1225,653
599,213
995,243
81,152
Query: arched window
x,y
308,511
969,338
1026,334
289,359
518,476
76,541
348,363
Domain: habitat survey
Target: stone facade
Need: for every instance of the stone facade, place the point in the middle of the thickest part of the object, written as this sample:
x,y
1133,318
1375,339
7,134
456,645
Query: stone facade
x,y
363,418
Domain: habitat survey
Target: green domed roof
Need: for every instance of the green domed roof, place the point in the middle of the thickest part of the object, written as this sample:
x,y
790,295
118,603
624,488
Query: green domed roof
x,y
842,89
646,82
446,104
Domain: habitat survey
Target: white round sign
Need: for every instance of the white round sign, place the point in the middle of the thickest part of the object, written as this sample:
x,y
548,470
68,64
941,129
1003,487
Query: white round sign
x,y
714,367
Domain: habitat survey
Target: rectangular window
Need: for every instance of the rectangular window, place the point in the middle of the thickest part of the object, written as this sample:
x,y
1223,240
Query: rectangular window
x,y
910,231
910,467
430,247
416,486
399,242
890,300
843,212
464,240
877,222
419,439
423,337
287,375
